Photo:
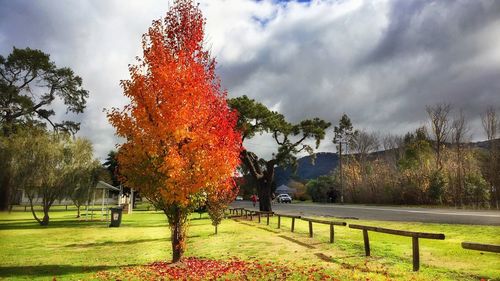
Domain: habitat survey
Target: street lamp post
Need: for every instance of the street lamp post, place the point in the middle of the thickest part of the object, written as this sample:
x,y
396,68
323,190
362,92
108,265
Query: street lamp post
x,y
341,174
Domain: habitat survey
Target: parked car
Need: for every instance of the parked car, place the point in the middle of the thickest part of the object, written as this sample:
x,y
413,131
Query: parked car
x,y
239,198
284,198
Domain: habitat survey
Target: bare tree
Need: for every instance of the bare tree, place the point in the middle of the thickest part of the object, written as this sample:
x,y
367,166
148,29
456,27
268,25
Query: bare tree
x,y
491,126
363,143
393,146
440,127
490,123
459,135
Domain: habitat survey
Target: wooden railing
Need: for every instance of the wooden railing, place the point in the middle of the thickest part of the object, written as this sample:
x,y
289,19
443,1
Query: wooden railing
x,y
481,247
414,235
235,211
331,223
267,214
293,217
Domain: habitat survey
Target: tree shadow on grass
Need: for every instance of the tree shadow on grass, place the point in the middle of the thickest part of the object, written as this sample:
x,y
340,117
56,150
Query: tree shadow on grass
x,y
296,241
74,223
52,224
50,270
117,243
126,242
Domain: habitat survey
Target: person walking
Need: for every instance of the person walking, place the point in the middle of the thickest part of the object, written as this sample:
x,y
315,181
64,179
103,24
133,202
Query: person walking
x,y
254,199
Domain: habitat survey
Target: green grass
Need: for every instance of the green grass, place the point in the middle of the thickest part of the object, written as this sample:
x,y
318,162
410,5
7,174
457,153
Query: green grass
x,y
71,249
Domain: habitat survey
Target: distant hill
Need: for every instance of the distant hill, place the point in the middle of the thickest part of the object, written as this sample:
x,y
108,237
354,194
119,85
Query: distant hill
x,y
325,163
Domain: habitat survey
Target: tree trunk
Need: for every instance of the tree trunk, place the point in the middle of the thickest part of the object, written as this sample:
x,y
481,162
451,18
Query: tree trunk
x,y
78,211
5,192
45,220
264,178
177,217
5,188
341,175
33,210
265,186
264,191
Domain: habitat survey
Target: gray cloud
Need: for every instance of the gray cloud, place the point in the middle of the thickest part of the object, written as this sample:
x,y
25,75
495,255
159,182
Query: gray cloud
x,y
381,62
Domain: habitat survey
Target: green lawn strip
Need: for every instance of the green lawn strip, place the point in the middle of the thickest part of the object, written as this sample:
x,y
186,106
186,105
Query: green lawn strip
x,y
435,255
73,249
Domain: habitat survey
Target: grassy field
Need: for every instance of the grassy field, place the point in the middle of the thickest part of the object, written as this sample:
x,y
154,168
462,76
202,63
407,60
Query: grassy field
x,y
70,249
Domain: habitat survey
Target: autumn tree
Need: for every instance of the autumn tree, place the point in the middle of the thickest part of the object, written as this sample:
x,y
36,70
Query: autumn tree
x,y
256,118
217,202
180,136
30,84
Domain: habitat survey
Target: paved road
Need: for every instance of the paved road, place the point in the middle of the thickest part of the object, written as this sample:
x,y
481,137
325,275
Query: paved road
x,y
452,216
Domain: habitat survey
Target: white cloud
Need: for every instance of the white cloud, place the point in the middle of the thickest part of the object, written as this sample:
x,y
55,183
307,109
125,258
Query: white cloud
x,y
380,62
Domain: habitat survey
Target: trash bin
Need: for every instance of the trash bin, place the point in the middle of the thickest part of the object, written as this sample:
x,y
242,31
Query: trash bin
x,y
116,216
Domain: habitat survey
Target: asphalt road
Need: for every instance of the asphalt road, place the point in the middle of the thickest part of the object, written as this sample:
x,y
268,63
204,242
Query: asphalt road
x,y
385,213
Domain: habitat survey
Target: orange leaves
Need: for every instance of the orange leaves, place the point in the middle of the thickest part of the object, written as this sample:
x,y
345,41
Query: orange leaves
x,y
180,134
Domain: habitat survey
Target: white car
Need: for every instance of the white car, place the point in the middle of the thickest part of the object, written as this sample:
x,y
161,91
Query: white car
x,y
239,198
284,198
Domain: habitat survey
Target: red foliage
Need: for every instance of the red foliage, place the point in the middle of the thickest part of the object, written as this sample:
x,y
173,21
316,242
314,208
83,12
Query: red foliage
x,y
218,201
205,269
180,133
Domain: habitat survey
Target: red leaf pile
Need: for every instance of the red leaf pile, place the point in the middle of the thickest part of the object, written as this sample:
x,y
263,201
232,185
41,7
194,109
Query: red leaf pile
x,y
195,269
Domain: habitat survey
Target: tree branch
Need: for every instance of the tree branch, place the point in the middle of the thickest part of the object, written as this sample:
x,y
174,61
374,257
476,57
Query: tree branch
x,y
251,161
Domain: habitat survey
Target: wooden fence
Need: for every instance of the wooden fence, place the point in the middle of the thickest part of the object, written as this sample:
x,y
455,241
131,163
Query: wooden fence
x,y
267,214
287,216
481,247
414,235
331,223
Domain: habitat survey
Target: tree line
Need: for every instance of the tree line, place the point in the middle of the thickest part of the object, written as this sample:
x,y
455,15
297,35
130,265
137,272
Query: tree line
x,y
434,164
39,155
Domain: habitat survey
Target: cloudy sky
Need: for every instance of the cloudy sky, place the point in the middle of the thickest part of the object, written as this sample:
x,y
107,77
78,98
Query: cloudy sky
x,y
381,62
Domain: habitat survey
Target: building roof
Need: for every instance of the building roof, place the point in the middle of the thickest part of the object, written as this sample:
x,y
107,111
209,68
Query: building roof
x,y
283,188
103,185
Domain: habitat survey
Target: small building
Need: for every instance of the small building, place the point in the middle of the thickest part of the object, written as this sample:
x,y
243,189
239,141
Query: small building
x,y
102,194
283,189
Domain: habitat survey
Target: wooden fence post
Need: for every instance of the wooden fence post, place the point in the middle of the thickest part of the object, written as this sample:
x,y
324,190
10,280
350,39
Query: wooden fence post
x,y
310,229
331,233
416,254
293,224
267,218
367,242
258,214
279,221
